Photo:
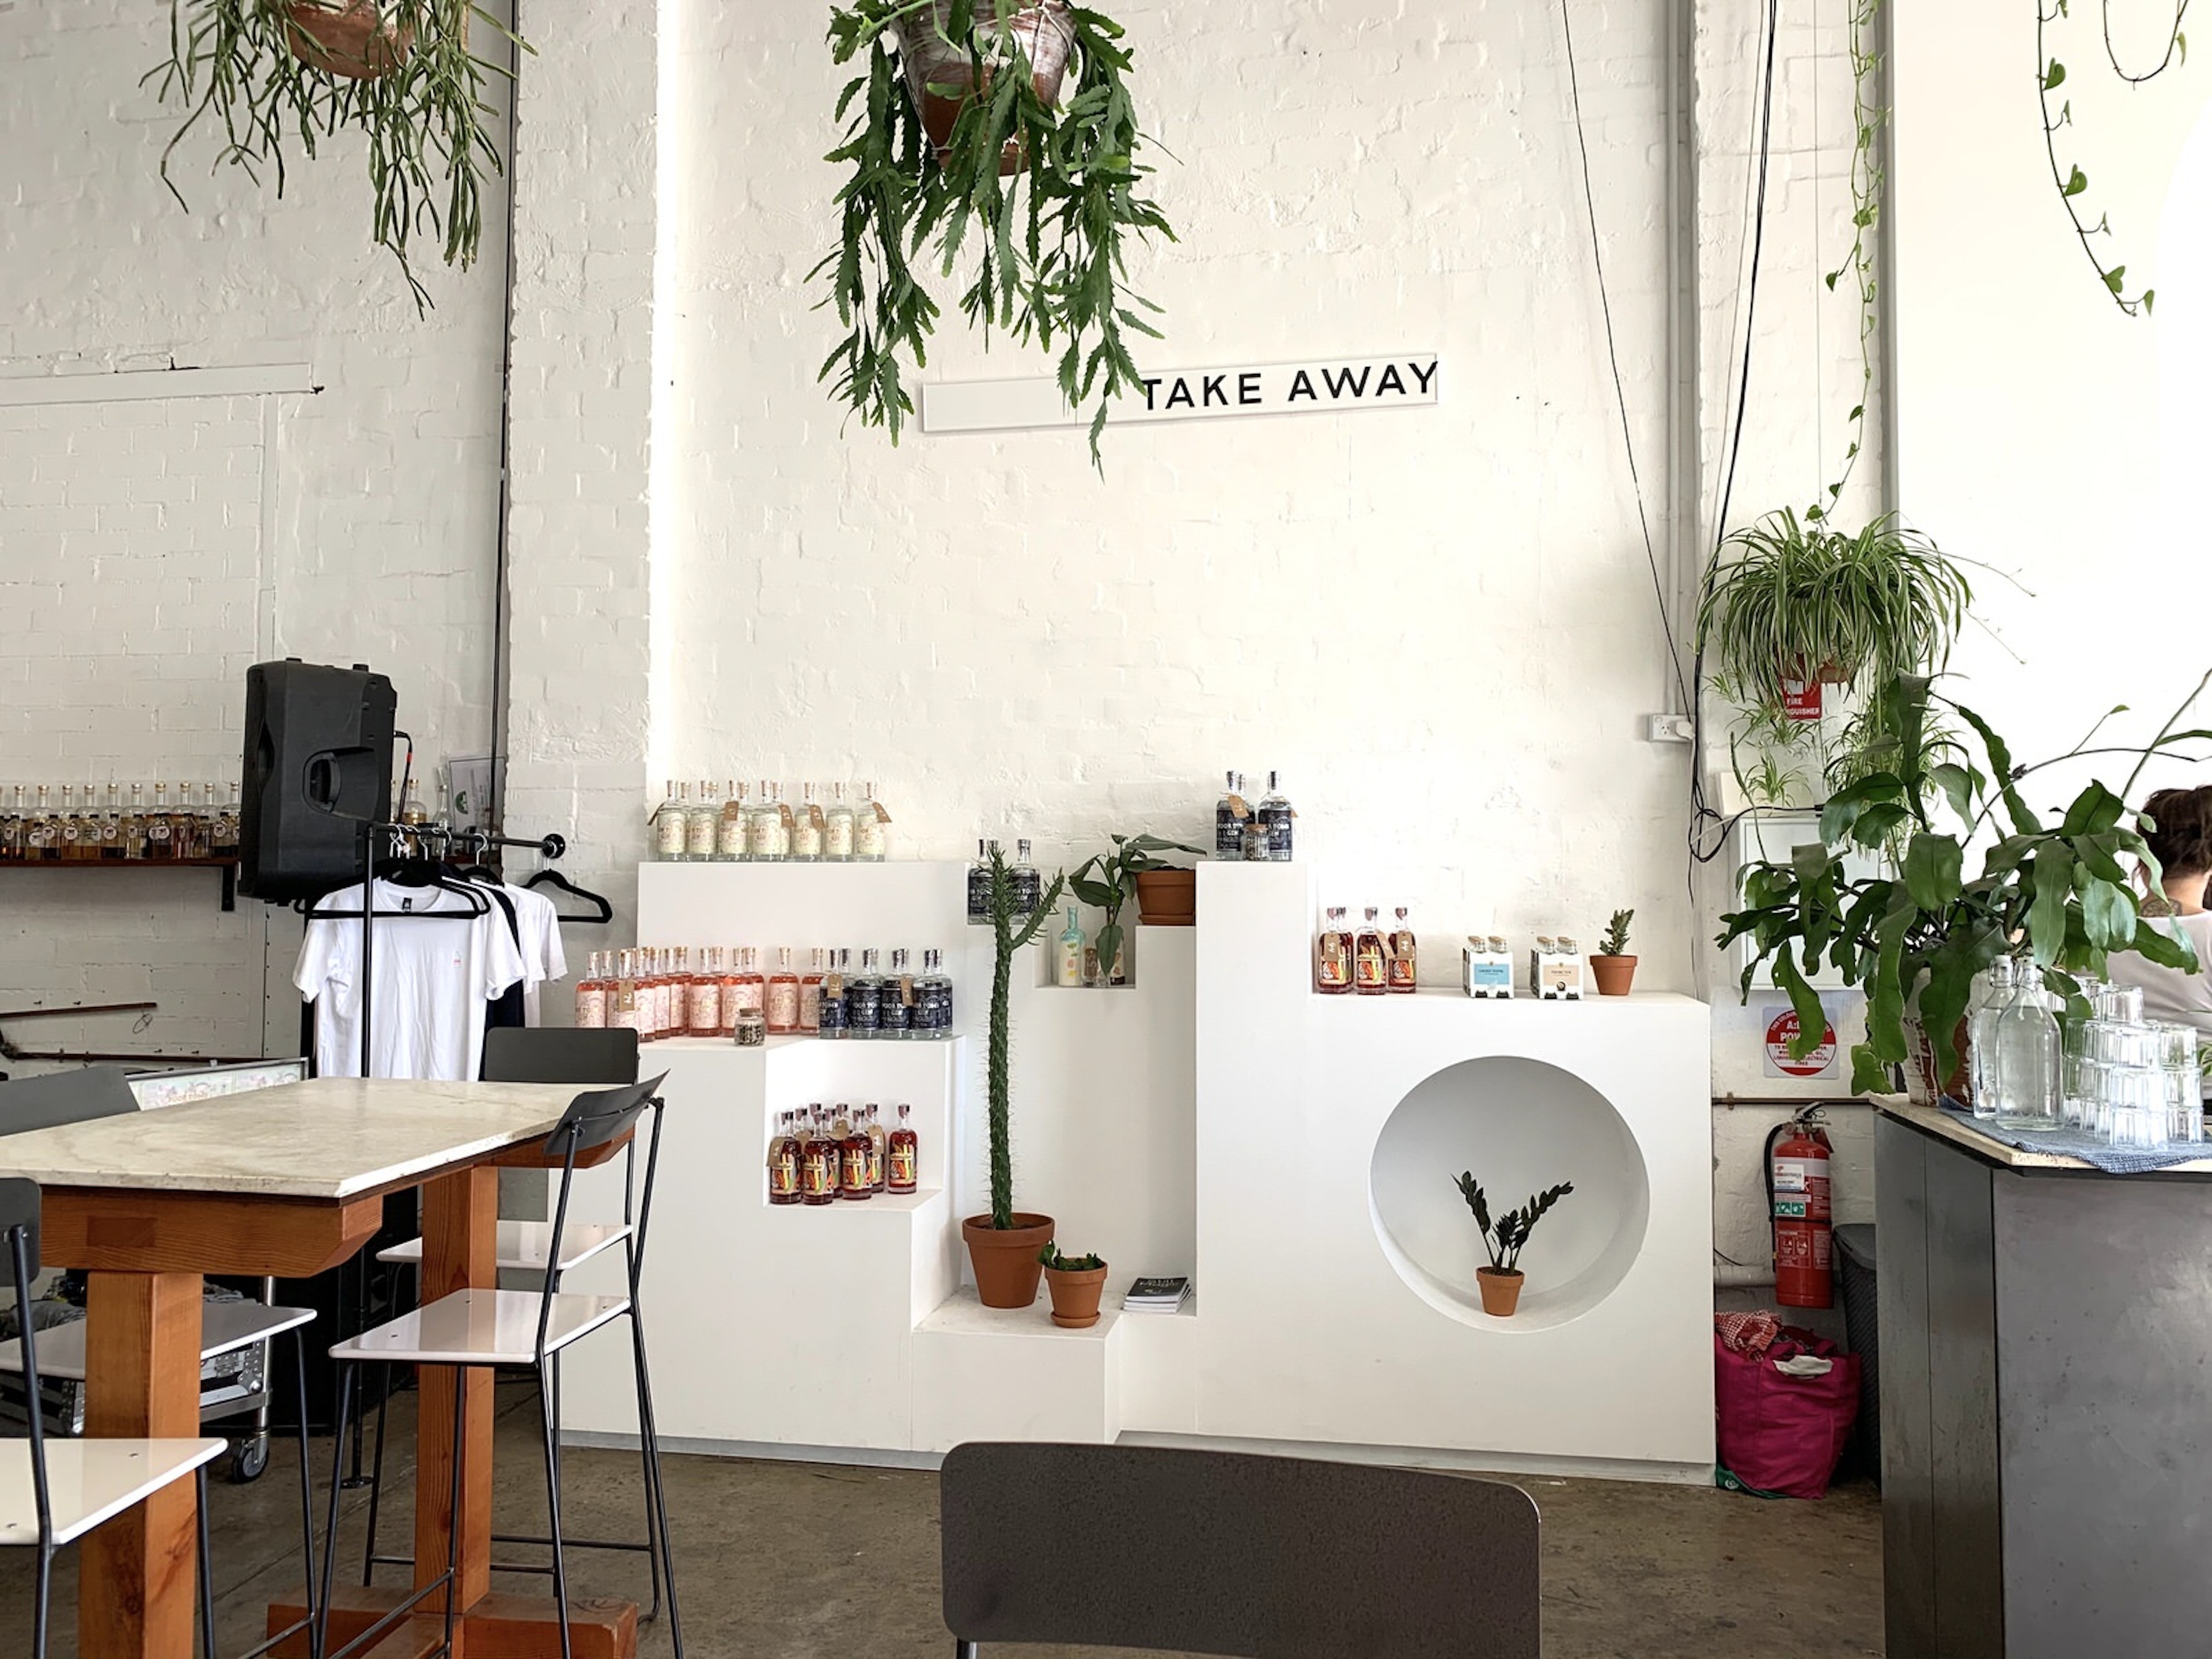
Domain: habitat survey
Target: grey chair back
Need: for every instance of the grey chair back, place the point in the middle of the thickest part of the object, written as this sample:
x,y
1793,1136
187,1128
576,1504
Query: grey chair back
x,y
1234,1553
516,1054
44,1103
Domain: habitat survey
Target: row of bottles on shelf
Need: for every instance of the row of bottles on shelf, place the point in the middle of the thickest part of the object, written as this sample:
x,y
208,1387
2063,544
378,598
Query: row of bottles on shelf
x,y
81,827
1258,834
1076,962
1022,876
660,993
819,1156
726,824
1368,961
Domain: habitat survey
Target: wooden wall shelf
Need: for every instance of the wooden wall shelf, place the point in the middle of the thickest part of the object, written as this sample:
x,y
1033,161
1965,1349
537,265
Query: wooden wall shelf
x,y
228,866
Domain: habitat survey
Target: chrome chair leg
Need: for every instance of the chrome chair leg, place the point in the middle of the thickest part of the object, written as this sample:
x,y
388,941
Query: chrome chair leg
x,y
553,1504
648,1434
207,1563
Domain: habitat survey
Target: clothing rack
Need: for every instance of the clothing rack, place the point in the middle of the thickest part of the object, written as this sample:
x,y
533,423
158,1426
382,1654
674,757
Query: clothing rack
x,y
389,838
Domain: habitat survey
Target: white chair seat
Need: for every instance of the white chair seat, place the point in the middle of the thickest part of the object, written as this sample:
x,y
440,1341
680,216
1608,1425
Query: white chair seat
x,y
225,1327
481,1327
522,1246
89,1481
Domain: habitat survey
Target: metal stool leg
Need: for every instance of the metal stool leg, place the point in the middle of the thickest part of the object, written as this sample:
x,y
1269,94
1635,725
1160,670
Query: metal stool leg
x,y
376,1482
44,1594
648,1434
320,1641
306,1491
553,1502
207,1563
453,1531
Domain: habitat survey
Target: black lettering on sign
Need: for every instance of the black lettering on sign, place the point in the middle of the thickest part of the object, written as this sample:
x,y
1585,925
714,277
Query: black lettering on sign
x,y
1391,381
1212,392
1339,380
1248,387
1303,386
1424,375
1149,384
1180,398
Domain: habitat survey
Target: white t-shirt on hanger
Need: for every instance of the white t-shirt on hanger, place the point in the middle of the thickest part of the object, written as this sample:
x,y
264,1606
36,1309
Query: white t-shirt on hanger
x,y
432,979
543,958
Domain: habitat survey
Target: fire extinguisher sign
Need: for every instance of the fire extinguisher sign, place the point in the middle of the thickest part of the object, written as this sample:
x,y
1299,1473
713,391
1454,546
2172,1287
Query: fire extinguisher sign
x,y
1781,1038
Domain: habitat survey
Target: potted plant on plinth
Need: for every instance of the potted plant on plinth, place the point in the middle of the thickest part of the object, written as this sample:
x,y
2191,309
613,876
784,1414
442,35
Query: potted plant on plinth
x,y
1003,1245
1500,1282
1075,1282
1015,143
1166,895
1613,968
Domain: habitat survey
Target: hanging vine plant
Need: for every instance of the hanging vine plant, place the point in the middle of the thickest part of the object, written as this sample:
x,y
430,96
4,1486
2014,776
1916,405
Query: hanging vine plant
x,y
1001,127
274,74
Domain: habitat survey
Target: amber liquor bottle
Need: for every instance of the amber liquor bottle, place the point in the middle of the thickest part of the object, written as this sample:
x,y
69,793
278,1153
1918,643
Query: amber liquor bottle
x,y
856,1182
878,1147
818,1160
1370,972
1332,956
903,1156
1405,951
783,1161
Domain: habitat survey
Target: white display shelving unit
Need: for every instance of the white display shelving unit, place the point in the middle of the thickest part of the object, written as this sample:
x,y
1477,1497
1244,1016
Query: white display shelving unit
x,y
1294,1152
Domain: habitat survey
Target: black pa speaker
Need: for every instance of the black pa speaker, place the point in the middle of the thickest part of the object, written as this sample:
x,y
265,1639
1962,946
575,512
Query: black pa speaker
x,y
317,770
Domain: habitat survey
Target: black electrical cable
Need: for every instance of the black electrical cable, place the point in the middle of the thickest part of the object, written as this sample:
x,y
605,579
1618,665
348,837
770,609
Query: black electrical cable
x,y
1612,358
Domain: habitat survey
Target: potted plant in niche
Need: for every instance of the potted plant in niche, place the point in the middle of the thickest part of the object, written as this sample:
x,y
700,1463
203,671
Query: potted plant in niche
x,y
1075,1282
281,75
1003,1245
1500,1282
1613,968
1015,140
1166,895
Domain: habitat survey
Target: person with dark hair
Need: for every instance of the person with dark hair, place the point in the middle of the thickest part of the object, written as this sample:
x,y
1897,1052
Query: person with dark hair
x,y
2177,824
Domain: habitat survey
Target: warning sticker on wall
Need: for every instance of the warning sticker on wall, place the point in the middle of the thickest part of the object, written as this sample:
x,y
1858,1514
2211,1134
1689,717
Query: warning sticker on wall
x,y
1782,1029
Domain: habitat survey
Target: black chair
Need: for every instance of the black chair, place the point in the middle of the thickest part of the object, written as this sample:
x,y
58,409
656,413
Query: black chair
x,y
52,1496
528,1330
47,1103
1234,1553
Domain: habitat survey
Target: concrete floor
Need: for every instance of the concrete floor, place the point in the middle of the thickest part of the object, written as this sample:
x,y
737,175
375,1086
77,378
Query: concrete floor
x,y
807,1561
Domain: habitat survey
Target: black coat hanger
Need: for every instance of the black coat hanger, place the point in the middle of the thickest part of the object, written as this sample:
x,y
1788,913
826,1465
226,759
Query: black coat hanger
x,y
604,911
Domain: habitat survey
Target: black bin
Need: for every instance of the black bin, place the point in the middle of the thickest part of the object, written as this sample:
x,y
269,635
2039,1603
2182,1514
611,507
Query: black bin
x,y
1855,1259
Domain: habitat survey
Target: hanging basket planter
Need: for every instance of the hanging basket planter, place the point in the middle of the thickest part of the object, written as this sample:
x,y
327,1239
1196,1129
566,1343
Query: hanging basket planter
x,y
349,38
941,77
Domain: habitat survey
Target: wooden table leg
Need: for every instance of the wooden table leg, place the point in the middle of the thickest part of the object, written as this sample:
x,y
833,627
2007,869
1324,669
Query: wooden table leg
x,y
460,1227
137,1573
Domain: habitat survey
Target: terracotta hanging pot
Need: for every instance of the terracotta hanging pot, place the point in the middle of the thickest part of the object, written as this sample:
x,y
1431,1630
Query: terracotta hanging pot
x,y
1005,1259
1614,974
1167,898
349,38
1501,1291
940,78
1075,1295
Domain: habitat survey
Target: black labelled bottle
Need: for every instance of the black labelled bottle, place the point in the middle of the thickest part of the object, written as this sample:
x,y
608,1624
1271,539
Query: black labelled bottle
x,y
1370,960
933,998
864,1000
829,1018
820,1161
1276,817
781,1004
1405,951
903,1153
979,886
1332,956
783,1164
1027,884
1229,813
897,1000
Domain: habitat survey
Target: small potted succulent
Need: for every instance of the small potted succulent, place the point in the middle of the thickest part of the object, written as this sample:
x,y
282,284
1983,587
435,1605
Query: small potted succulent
x,y
1166,895
1612,966
1076,1282
1500,1282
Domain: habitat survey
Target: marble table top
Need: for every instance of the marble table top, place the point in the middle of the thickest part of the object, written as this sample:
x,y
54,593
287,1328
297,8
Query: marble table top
x,y
330,1138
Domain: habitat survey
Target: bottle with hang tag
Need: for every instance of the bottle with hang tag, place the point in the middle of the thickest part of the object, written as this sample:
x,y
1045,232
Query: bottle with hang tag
x,y
829,1018
1230,813
897,1001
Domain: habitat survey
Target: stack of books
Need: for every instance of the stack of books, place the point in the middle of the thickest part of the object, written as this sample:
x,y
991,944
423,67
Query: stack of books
x,y
1156,1296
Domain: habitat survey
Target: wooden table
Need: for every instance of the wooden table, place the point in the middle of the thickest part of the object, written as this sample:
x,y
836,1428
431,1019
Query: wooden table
x,y
286,1183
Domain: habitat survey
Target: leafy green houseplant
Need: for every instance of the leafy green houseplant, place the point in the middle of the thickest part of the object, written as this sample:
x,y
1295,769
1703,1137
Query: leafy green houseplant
x,y
2053,892
983,155
279,76
1611,965
1076,1283
1108,881
1003,1245
1504,1240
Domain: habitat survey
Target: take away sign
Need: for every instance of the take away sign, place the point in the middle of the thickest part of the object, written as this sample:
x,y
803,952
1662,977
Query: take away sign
x,y
1340,385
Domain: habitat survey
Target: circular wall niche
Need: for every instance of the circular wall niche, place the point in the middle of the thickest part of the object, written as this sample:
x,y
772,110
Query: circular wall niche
x,y
1521,1125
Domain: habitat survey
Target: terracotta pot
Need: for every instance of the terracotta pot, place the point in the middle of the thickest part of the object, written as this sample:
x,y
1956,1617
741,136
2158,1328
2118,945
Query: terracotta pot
x,y
1006,1261
940,79
1075,1295
1920,1085
1167,898
349,38
1614,974
1501,1291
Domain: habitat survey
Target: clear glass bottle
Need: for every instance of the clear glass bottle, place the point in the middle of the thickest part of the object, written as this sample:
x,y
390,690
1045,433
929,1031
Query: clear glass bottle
x,y
13,822
706,998
1068,965
38,829
856,1182
979,885
193,827
1332,956
592,995
226,826
783,1163
837,825
879,1145
1276,817
1229,815
109,841
897,1001
2028,1060
748,986
870,828
730,829
806,828
864,1000
726,966
69,827
672,825
764,828
1371,959
1404,949
135,824
161,826
782,1006
830,1019
652,997
702,826
810,994
936,993
903,1153
1027,884
1993,993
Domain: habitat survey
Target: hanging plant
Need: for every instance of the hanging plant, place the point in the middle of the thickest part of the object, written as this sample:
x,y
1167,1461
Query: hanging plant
x,y
1006,130
279,74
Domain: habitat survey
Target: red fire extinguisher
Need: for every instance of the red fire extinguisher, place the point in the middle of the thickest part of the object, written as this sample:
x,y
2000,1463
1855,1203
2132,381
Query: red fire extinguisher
x,y
1798,1154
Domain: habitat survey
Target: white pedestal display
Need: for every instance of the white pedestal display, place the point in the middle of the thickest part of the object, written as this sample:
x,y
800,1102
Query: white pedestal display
x,y
1294,1152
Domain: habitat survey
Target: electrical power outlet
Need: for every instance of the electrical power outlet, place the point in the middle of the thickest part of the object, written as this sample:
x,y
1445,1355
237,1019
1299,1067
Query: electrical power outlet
x,y
1669,728
469,786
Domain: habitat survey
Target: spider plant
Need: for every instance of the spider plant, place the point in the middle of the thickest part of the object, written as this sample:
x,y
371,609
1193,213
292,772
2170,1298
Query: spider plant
x,y
1049,238
259,68
1785,600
